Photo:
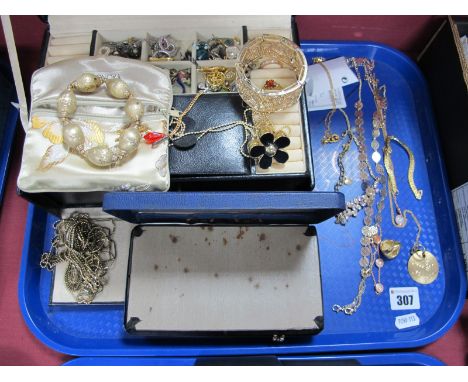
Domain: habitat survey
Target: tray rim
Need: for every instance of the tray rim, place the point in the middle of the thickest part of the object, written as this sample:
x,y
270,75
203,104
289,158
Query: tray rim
x,y
191,350
372,359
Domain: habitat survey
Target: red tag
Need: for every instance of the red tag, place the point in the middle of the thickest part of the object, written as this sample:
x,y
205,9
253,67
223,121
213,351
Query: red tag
x,y
153,137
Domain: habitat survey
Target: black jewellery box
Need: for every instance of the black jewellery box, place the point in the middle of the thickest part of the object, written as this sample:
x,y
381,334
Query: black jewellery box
x,y
214,163
227,253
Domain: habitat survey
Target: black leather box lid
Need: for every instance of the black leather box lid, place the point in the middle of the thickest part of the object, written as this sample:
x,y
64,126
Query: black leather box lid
x,y
215,153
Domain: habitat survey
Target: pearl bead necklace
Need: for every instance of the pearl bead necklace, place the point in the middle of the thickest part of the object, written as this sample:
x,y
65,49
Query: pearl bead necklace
x,y
73,136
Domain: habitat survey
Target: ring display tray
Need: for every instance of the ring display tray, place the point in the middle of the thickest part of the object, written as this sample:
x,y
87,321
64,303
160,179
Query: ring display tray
x,y
99,331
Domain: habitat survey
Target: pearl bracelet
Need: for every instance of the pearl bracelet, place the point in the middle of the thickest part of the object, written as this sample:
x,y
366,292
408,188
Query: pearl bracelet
x,y
130,135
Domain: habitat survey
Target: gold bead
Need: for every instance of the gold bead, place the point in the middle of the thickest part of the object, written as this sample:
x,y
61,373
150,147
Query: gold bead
x,y
134,109
129,139
118,88
66,104
87,83
100,156
73,135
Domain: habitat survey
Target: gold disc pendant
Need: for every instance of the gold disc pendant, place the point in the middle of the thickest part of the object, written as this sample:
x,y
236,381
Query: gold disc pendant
x,y
423,267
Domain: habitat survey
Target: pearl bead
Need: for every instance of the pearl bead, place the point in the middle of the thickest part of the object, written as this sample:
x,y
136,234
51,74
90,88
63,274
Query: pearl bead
x,y
100,156
87,83
134,109
66,104
399,220
129,139
271,150
118,88
379,263
379,288
376,156
73,135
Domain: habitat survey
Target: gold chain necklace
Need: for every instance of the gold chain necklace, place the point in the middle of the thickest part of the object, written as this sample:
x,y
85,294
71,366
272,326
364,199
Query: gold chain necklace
x,y
89,251
422,265
390,169
358,203
263,143
371,231
328,136
371,242
177,134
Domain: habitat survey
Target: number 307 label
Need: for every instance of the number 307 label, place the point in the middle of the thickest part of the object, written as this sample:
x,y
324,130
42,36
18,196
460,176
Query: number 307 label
x,y
404,298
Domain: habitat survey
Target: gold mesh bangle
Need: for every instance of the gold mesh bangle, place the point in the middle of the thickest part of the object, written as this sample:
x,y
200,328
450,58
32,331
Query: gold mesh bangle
x,y
270,49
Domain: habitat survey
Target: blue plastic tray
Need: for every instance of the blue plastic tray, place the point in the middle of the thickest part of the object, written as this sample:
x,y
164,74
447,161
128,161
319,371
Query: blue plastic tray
x,y
388,359
98,331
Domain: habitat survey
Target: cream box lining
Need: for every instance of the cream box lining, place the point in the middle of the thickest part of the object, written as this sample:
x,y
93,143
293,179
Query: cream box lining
x,y
223,279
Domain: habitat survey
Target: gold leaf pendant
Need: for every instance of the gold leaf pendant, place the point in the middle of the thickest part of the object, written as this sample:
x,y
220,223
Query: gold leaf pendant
x,y
93,132
38,123
54,155
53,132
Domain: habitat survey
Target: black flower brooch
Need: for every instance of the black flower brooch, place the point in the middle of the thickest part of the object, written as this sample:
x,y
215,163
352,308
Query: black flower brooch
x,y
268,147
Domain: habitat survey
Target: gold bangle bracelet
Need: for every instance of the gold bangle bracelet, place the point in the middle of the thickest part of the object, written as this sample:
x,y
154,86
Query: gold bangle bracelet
x,y
269,49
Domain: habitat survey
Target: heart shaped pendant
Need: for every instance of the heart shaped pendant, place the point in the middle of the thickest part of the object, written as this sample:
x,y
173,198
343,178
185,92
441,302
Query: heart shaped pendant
x,y
390,248
186,142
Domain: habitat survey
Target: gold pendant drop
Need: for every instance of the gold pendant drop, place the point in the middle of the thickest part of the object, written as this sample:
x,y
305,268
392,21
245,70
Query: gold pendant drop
x,y
423,267
390,248
379,288
400,220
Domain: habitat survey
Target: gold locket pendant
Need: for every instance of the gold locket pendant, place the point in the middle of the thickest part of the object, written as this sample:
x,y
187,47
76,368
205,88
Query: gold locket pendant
x,y
423,267
390,248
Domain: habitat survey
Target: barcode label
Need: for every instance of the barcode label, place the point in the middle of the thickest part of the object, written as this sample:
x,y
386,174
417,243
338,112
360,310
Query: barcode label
x,y
407,321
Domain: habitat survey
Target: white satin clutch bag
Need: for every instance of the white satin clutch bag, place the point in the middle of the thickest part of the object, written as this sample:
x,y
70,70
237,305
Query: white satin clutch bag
x,y
49,166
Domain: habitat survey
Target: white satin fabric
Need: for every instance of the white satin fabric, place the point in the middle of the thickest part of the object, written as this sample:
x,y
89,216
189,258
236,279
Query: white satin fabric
x,y
147,169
